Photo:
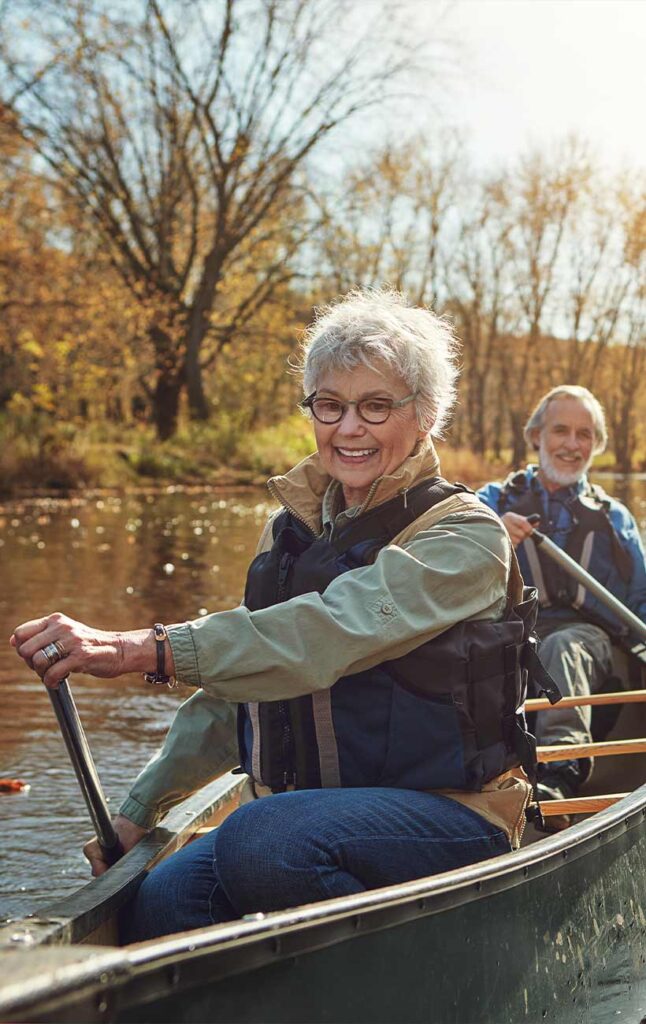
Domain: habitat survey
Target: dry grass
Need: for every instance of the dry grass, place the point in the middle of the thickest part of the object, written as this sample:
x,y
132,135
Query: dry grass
x,y
467,467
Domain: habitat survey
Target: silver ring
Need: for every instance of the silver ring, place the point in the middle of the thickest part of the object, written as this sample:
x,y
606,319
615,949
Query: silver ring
x,y
51,653
61,650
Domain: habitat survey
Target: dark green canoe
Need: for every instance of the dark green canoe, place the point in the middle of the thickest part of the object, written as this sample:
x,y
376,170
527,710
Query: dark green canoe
x,y
553,932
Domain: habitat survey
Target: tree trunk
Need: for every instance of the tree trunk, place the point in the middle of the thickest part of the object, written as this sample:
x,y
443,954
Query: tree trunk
x,y
517,440
197,325
624,437
171,378
198,404
476,415
166,402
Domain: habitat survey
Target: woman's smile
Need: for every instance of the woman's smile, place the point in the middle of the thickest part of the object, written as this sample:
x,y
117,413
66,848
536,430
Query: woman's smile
x,y
356,455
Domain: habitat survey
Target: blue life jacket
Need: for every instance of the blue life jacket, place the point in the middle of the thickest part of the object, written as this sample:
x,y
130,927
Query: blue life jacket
x,y
592,542
446,715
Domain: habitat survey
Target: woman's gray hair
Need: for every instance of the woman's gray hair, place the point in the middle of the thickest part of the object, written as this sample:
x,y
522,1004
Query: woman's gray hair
x,y
537,419
368,325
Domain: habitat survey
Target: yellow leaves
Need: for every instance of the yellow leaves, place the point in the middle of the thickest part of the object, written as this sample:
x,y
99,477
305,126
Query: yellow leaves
x,y
240,149
19,405
43,397
63,348
29,345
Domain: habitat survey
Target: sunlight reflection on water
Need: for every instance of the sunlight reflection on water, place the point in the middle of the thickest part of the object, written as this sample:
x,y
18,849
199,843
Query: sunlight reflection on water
x,y
101,560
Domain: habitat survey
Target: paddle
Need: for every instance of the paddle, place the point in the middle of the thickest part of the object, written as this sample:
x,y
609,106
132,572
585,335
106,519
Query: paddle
x,y
84,767
586,580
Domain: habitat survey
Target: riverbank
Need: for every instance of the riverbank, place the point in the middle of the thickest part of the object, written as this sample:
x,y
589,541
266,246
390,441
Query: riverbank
x,y
63,458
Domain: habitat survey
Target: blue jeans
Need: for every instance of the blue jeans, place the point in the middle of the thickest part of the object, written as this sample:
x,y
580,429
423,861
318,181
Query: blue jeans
x,y
292,848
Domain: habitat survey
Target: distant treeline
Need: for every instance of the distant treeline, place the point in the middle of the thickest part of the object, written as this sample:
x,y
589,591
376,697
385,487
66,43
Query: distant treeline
x,y
166,230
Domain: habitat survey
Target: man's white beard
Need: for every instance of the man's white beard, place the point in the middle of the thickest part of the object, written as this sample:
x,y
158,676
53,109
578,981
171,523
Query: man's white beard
x,y
561,477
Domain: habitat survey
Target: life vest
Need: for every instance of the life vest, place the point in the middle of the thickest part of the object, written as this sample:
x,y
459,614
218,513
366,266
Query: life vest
x,y
592,542
446,715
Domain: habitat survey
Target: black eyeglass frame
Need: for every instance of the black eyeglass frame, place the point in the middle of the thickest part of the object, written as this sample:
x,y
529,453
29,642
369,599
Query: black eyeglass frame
x,y
308,403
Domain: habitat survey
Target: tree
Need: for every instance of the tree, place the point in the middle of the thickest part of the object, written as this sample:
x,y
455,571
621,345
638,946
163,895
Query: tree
x,y
627,393
387,225
480,299
184,130
543,195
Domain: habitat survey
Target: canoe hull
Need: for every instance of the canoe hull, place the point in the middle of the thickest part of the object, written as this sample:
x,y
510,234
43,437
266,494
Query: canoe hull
x,y
581,927
442,949
553,932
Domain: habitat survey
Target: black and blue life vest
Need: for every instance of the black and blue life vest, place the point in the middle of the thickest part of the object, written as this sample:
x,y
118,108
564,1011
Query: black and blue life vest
x,y
592,542
446,715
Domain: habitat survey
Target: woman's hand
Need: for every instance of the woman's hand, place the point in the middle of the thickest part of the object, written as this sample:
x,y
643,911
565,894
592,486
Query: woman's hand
x,y
129,835
84,649
518,527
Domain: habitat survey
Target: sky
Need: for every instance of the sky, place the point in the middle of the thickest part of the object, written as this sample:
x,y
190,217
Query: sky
x,y
532,71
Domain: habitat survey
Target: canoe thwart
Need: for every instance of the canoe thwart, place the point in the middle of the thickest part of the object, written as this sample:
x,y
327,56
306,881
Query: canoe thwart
x,y
580,804
589,700
570,751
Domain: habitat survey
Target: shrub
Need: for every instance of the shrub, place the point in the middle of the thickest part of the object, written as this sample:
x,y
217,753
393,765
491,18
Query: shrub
x,y
274,450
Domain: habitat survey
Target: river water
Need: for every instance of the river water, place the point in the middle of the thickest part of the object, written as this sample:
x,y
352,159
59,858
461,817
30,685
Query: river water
x,y
115,562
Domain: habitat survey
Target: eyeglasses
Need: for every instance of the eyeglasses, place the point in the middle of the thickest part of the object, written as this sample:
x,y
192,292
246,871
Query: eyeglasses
x,y
371,410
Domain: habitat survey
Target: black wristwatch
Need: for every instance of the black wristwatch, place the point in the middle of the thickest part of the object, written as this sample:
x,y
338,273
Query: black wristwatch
x,y
160,677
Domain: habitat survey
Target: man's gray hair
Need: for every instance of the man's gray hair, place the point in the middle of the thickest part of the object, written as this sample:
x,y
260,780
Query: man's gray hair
x,y
537,419
368,325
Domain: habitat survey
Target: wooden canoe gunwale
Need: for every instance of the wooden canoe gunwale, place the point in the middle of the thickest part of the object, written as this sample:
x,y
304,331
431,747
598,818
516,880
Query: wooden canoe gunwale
x,y
155,969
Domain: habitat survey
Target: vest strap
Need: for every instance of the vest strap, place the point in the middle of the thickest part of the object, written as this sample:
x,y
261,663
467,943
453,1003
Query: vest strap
x,y
537,671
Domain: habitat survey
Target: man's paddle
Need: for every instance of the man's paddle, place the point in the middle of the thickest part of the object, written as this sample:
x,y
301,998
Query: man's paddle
x,y
84,767
629,619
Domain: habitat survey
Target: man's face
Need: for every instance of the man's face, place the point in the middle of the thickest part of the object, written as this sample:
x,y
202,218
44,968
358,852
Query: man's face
x,y
565,442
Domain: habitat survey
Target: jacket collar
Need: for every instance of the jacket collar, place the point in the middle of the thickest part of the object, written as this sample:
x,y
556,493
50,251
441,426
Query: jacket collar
x,y
305,487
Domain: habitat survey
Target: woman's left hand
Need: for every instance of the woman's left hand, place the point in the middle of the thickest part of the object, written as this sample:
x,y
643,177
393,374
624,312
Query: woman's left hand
x,y
81,648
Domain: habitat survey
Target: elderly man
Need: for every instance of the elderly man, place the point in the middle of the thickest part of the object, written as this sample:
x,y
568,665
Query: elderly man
x,y
567,429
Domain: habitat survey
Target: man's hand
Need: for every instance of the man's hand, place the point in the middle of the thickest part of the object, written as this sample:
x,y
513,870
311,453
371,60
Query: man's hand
x,y
518,527
129,835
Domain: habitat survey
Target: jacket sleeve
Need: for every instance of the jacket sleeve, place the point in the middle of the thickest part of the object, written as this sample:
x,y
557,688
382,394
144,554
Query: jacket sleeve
x,y
453,571
631,540
490,495
200,745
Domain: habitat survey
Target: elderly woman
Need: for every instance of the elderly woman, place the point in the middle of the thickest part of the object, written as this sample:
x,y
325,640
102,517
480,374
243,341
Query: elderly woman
x,y
370,662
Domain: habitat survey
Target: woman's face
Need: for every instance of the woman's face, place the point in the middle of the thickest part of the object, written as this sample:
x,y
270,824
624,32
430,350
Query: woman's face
x,y
354,452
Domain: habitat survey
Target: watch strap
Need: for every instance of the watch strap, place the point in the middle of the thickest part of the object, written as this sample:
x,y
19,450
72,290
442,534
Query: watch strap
x,y
159,677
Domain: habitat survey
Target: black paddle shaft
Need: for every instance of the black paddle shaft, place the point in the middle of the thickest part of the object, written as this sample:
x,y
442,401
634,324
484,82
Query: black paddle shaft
x,y
85,769
573,569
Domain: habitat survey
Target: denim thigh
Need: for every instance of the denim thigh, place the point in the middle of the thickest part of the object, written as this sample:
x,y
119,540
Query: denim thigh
x,y
181,893
294,848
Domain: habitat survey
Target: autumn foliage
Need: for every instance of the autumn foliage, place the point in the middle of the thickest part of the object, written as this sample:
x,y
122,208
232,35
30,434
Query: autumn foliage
x,y
167,227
